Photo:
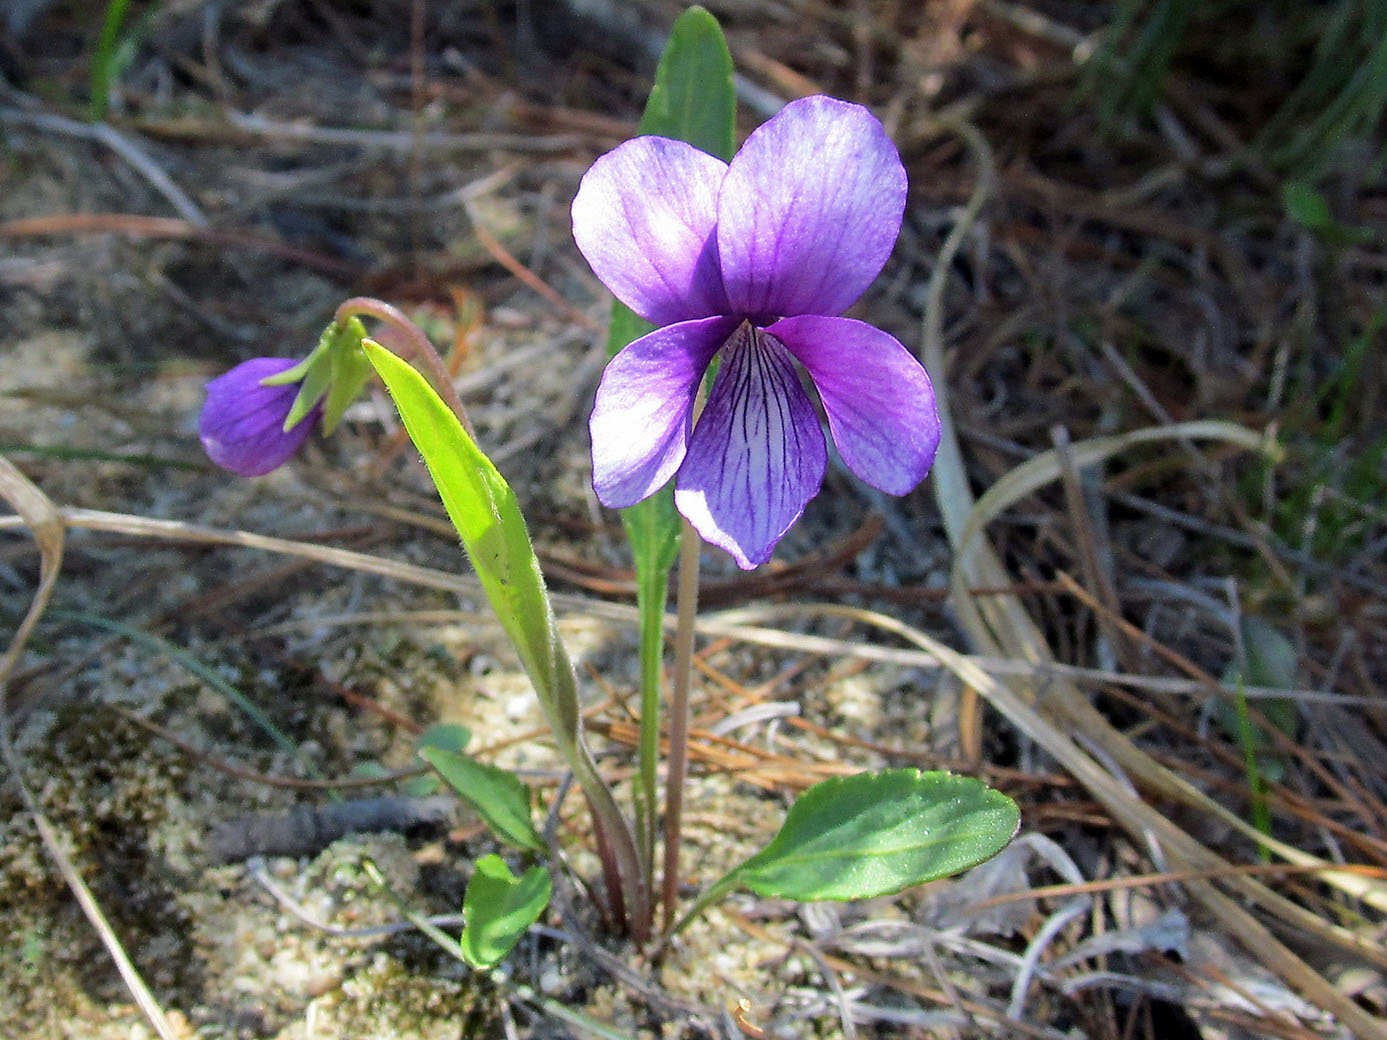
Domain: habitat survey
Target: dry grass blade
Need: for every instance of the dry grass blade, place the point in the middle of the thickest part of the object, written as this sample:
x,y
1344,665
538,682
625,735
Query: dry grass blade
x,y
1046,467
1009,631
44,521
1186,853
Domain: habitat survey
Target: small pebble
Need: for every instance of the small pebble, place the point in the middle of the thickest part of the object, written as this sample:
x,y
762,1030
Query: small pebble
x,y
509,318
551,981
323,981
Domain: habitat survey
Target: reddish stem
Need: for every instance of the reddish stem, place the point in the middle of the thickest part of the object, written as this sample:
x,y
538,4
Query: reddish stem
x,y
420,349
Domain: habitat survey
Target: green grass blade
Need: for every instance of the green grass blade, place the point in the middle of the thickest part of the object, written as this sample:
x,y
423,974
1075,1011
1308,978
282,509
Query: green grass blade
x,y
187,661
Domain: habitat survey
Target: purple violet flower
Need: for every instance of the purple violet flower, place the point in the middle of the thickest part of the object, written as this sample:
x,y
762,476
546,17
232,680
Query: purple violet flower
x,y
242,424
753,261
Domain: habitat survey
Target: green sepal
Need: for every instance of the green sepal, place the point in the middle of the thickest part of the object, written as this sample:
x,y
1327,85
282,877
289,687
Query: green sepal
x,y
336,369
498,908
296,374
315,384
349,371
499,797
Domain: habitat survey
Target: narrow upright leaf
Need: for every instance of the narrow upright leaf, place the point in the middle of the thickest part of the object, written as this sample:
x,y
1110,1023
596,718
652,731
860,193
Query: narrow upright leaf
x,y
484,510
1271,661
693,99
499,797
487,516
498,908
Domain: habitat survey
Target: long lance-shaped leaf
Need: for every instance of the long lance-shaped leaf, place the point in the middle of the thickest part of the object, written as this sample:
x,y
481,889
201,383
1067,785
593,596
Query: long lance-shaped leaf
x,y
487,516
693,100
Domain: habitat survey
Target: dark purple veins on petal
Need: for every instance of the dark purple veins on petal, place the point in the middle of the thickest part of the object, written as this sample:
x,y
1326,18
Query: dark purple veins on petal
x,y
757,454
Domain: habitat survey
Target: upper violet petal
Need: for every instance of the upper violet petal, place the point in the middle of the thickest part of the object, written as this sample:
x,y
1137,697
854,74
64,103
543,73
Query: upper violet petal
x,y
757,454
644,219
809,210
640,420
878,398
242,422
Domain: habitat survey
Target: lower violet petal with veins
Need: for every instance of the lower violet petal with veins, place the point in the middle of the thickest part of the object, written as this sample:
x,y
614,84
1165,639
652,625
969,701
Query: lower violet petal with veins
x,y
757,455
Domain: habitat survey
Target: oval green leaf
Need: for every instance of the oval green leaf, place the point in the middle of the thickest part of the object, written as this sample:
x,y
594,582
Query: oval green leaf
x,y
499,797
450,736
499,907
858,837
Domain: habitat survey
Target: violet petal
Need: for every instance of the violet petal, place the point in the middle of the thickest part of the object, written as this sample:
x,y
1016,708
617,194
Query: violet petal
x,y
809,210
757,454
242,422
640,420
644,219
877,396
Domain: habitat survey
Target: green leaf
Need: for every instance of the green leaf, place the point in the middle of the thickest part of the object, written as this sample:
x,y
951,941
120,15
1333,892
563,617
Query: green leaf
x,y
448,736
858,837
1271,662
486,514
1308,208
104,61
421,786
626,325
483,508
1271,657
874,834
1305,205
693,98
499,797
499,907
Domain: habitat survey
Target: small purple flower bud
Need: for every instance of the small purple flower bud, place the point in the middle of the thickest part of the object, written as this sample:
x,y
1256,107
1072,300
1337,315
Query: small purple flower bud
x,y
242,424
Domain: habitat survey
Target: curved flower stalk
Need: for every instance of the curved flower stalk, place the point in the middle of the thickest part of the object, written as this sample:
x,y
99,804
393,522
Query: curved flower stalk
x,y
752,262
243,422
